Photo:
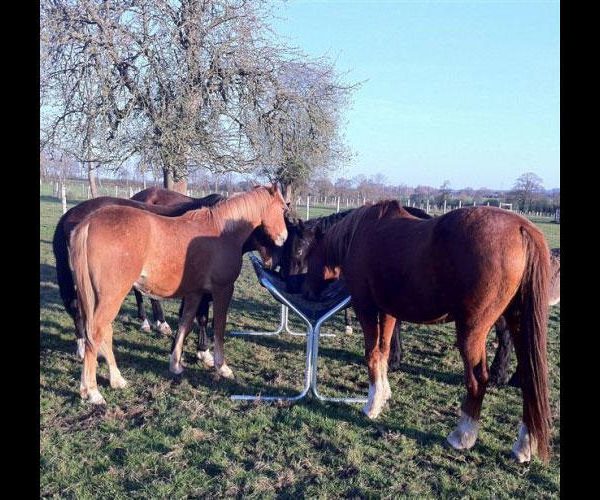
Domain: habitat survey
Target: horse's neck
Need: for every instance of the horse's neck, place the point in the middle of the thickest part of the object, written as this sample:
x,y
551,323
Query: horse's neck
x,y
236,225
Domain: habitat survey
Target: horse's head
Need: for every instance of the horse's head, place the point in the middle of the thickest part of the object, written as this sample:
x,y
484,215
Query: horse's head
x,y
272,218
293,258
318,272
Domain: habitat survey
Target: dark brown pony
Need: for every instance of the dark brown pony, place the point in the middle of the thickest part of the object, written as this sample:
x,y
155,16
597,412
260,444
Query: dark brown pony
x,y
115,248
70,220
469,266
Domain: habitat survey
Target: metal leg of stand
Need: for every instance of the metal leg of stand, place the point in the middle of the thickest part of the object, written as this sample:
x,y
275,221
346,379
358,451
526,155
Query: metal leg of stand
x,y
282,324
315,353
308,369
287,327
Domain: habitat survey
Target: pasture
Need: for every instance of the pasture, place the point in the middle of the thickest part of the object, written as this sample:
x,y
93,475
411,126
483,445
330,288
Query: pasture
x,y
160,437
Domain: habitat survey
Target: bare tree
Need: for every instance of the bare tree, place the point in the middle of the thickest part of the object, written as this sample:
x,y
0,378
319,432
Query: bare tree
x,y
300,127
526,188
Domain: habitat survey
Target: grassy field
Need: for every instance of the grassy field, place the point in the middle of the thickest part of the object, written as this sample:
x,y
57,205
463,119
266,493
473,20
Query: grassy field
x,y
162,438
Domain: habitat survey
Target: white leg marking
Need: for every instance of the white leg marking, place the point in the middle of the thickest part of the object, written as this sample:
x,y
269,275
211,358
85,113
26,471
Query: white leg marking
x,y
376,400
465,434
95,397
525,446
116,379
163,328
175,366
81,348
387,391
206,357
146,326
225,371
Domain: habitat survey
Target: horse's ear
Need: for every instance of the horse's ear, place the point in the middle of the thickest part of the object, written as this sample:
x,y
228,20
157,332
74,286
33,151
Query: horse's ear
x,y
272,188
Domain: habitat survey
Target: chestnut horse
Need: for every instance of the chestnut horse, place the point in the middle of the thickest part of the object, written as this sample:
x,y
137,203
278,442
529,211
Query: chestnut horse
x,y
469,266
115,248
70,220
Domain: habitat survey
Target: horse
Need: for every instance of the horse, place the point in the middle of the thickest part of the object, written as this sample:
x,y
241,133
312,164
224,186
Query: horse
x,y
294,268
60,245
468,266
116,248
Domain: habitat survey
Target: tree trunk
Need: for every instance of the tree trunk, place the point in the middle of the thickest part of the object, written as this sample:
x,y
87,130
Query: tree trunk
x,y
92,181
169,183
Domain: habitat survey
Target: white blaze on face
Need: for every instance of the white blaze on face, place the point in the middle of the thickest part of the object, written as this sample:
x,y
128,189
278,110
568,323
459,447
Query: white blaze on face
x,y
280,240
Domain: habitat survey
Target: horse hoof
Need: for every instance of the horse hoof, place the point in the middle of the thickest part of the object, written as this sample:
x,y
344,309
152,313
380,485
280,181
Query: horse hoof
x,y
225,372
176,370
164,328
348,330
522,449
95,398
146,326
372,413
207,358
465,434
118,382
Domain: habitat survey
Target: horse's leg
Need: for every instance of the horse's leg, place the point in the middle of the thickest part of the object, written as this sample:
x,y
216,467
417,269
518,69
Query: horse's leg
x,y
396,348
499,367
75,313
203,351
159,318
386,326
106,349
367,316
471,344
348,320
139,300
104,314
525,446
185,325
221,299
89,386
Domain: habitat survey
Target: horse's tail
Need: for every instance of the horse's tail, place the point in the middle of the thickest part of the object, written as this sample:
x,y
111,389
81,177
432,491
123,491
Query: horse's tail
x,y
530,343
85,290
64,276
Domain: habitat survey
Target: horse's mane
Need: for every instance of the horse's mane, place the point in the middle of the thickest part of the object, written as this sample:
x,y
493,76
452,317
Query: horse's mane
x,y
326,221
238,207
338,238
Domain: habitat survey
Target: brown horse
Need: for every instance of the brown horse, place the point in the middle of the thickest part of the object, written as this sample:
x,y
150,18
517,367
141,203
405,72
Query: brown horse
x,y
115,248
60,245
469,266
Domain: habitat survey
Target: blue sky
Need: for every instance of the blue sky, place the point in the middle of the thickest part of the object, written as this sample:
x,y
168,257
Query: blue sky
x,y
465,91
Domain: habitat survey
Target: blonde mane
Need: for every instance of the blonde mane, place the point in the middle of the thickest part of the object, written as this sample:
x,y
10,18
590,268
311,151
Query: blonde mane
x,y
228,213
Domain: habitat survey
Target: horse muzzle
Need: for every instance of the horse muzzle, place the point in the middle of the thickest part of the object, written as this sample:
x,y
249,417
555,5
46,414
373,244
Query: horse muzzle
x,y
280,240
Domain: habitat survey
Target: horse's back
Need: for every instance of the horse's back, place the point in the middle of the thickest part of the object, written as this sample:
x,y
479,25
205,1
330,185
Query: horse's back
x,y
159,196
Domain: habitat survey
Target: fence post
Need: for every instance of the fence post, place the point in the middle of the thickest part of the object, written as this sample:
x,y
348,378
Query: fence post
x,y
307,206
444,206
130,192
427,209
89,193
338,204
459,203
63,190
116,191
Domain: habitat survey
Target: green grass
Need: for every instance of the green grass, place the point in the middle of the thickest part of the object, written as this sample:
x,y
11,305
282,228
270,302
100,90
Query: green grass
x,y
161,438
